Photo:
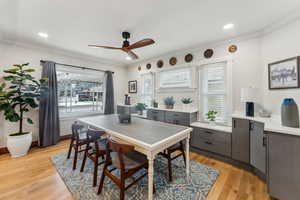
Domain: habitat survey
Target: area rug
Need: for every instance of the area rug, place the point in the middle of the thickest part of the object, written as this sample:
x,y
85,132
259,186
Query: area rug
x,y
197,188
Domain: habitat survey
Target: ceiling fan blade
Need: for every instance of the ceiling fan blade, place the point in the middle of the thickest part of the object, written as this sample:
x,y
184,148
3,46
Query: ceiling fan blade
x,y
130,53
141,43
106,47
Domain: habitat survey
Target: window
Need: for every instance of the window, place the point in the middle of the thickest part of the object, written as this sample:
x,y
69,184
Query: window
x,y
79,91
147,90
213,90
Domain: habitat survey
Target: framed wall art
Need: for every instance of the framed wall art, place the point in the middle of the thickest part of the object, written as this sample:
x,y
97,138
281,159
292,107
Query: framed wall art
x,y
284,74
175,78
132,86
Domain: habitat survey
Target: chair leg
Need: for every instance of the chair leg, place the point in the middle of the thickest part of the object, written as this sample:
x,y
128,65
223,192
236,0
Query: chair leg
x,y
170,166
70,148
122,189
84,159
102,179
75,158
95,171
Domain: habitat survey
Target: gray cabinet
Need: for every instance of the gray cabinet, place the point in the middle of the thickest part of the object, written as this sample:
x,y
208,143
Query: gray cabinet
x,y
283,164
211,140
156,115
257,146
240,140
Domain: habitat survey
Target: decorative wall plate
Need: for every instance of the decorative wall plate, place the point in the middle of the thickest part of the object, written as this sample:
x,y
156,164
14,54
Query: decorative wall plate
x,y
232,48
139,68
160,64
188,58
148,66
208,53
173,61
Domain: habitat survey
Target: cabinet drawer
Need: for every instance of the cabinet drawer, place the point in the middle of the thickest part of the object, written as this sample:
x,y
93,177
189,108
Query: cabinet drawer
x,y
177,118
156,115
222,148
213,135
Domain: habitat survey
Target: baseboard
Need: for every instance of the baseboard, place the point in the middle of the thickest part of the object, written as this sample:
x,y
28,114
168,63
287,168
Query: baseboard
x,y
4,150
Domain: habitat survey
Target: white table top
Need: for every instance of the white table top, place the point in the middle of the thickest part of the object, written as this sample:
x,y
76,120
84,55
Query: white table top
x,y
141,132
227,129
271,124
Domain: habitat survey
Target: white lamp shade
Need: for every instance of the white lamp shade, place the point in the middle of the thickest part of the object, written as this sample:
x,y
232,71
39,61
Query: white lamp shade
x,y
249,94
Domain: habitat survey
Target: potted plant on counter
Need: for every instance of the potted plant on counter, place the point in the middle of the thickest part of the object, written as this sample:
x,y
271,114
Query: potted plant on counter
x,y
211,116
169,102
186,103
140,107
16,99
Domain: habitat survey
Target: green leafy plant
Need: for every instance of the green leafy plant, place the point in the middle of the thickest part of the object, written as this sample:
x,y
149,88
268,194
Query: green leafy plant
x,y
211,115
186,100
22,93
140,106
169,101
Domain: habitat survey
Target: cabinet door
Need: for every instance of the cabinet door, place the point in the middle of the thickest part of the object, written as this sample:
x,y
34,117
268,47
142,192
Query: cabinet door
x,y
283,166
257,146
240,140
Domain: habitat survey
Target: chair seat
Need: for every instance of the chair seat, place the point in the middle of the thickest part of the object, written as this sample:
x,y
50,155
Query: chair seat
x,y
174,147
132,160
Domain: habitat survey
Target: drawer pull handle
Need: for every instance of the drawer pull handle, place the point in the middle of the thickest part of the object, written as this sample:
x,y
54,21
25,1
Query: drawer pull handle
x,y
209,132
210,143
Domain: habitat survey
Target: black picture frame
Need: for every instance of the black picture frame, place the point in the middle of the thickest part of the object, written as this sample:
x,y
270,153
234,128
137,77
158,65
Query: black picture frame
x,y
280,76
132,87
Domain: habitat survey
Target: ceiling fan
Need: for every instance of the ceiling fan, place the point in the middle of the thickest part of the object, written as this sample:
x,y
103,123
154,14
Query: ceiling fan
x,y
127,47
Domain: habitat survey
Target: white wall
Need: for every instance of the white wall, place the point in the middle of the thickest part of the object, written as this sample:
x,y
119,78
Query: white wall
x,y
16,54
246,65
279,45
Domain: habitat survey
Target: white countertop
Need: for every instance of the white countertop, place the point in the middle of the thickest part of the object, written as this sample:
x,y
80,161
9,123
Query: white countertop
x,y
271,124
191,110
217,127
125,105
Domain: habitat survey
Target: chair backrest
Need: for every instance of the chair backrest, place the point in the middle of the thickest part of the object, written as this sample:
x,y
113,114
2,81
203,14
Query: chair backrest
x,y
76,128
113,146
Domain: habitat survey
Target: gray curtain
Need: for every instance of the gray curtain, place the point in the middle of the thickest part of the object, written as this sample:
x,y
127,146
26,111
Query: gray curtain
x,y
109,94
48,111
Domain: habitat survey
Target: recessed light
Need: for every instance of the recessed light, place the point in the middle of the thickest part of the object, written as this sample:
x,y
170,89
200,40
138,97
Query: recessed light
x,y
228,26
43,35
128,58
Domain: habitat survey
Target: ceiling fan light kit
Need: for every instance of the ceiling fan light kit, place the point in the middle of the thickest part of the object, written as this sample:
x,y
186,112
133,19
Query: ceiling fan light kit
x,y
127,47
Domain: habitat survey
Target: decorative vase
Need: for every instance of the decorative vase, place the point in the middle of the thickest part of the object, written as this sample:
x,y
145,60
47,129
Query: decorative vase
x,y
169,106
212,122
140,112
19,145
289,113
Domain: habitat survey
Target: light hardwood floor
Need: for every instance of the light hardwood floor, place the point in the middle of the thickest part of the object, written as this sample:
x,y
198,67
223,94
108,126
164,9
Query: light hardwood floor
x,y
34,177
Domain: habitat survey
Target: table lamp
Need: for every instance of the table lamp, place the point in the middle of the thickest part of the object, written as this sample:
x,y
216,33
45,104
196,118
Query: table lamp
x,y
248,96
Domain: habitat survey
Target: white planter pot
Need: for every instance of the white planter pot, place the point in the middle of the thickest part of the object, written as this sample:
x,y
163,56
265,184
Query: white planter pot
x,y
19,145
186,107
212,123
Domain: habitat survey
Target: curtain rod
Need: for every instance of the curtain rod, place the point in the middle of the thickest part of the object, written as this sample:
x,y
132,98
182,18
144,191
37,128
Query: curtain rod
x,y
80,67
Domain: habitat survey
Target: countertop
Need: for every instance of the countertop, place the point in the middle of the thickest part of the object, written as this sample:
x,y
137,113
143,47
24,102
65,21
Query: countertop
x,y
191,110
223,128
272,124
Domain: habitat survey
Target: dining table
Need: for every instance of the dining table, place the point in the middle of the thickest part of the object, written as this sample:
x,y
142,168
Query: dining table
x,y
147,136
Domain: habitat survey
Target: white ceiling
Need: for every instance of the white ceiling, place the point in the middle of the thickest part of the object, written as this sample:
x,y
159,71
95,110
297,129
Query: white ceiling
x,y
173,24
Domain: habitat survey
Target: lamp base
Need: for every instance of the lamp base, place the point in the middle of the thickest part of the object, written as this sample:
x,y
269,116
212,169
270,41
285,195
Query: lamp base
x,y
249,109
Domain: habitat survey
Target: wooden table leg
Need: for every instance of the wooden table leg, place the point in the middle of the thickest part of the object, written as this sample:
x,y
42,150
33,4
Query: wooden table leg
x,y
150,178
187,152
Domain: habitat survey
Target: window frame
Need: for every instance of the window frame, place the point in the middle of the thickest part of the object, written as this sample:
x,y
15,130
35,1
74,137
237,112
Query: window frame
x,y
141,93
228,89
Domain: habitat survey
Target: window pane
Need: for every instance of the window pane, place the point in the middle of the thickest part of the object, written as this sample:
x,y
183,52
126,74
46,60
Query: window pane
x,y
79,91
146,95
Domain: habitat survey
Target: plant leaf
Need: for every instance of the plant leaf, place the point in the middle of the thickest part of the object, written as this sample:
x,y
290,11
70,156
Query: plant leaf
x,y
29,121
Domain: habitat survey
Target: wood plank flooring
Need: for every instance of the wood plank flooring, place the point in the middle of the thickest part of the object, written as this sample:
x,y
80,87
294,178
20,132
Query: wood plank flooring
x,y
34,177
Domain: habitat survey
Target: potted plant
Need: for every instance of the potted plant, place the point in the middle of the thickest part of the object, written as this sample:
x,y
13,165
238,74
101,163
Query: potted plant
x,y
140,107
211,116
169,102
186,103
21,94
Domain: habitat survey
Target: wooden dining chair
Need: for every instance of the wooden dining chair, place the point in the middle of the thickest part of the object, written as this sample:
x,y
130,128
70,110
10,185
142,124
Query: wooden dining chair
x,y
178,147
123,158
95,148
78,139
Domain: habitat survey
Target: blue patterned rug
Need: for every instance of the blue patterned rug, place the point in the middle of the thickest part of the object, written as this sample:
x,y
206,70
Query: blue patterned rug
x,y
80,184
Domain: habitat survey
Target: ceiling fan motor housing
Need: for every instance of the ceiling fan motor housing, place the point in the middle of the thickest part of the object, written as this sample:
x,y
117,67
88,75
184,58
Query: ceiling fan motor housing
x,y
126,35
